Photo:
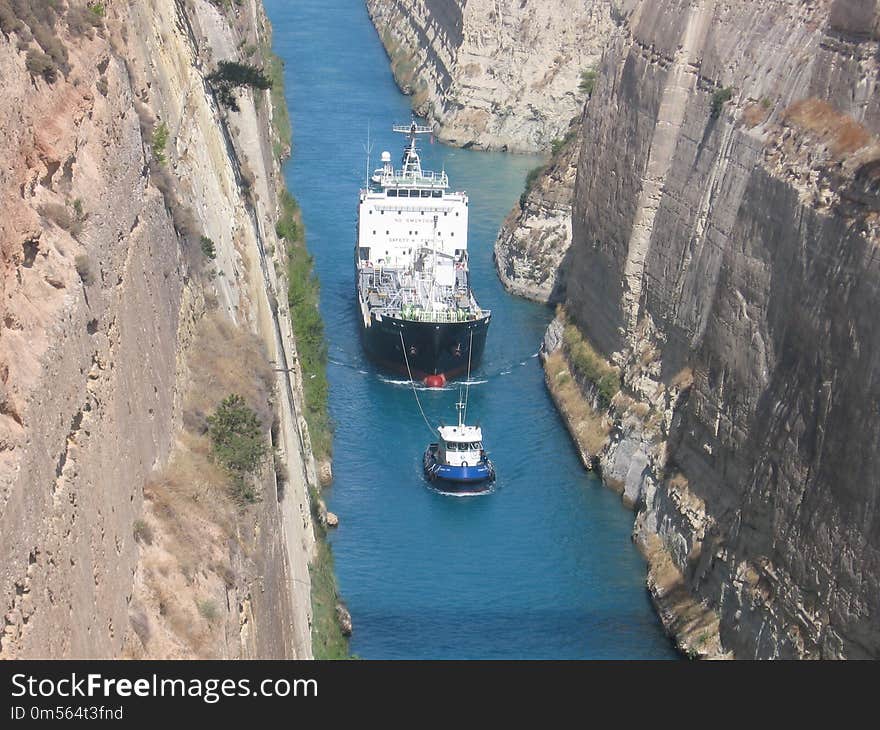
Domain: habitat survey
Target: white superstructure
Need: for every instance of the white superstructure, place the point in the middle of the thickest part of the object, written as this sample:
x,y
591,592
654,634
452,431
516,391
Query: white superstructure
x,y
461,445
412,256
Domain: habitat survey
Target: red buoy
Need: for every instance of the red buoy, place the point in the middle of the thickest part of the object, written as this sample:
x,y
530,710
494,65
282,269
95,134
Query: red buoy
x,y
435,381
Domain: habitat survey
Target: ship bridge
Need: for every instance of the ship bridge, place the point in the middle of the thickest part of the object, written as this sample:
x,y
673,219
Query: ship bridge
x,y
410,174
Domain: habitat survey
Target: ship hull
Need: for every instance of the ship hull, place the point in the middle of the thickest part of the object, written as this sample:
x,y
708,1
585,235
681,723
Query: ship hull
x,y
432,348
474,477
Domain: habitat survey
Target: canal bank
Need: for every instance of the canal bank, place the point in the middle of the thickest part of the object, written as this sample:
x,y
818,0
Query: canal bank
x,y
544,566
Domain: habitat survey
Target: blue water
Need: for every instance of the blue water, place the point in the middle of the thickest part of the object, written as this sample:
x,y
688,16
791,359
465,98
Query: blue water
x,y
543,567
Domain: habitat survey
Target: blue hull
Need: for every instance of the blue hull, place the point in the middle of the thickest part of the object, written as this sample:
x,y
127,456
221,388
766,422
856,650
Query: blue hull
x,y
457,476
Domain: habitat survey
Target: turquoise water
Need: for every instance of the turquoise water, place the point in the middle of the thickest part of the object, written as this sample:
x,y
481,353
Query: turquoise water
x,y
543,567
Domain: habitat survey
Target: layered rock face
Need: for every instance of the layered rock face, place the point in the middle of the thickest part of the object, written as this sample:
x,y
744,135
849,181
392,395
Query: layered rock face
x,y
726,226
100,249
536,235
496,75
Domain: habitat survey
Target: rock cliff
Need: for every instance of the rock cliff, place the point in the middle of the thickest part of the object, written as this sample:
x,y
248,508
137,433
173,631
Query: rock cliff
x,y
724,257
536,235
118,159
496,75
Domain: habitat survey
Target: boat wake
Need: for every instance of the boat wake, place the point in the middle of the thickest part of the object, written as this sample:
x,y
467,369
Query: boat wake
x,y
476,493
503,369
451,385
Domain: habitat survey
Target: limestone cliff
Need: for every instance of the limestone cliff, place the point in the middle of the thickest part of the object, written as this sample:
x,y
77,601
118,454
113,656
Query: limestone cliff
x,y
536,235
118,160
724,257
497,75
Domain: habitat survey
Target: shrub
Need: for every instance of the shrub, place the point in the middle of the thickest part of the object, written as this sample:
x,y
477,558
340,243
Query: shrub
x,y
142,532
84,268
531,179
231,75
588,81
159,141
719,99
287,227
52,45
9,22
237,442
589,365
40,64
83,20
208,609
208,248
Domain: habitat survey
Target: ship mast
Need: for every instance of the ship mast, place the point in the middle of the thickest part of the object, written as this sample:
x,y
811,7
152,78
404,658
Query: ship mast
x,y
412,166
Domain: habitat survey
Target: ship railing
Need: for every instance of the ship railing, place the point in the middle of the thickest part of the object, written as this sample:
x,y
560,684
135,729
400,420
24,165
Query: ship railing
x,y
443,316
405,178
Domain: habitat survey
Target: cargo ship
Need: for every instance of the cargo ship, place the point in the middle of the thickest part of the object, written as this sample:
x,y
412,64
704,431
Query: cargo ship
x,y
418,314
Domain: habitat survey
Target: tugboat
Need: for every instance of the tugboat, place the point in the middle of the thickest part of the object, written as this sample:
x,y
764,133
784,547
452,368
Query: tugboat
x,y
458,461
418,315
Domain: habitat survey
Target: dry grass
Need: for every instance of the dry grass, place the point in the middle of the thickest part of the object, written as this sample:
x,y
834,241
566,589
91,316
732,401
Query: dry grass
x,y
197,544
843,134
754,114
589,428
683,379
588,363
226,360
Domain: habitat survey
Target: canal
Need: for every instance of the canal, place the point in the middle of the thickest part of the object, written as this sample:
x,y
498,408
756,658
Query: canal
x,y
543,567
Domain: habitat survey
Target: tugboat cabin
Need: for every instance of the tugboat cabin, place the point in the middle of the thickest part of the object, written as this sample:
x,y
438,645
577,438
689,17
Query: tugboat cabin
x,y
461,445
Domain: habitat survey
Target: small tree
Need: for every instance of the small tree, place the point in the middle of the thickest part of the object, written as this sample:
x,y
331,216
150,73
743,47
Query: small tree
x,y
231,75
208,248
237,442
719,99
41,64
160,140
588,81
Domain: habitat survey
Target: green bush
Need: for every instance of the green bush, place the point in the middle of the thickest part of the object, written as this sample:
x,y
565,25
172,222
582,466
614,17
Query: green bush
x,y
287,226
588,81
531,179
231,75
237,442
589,365
208,248
160,140
719,99
280,112
308,328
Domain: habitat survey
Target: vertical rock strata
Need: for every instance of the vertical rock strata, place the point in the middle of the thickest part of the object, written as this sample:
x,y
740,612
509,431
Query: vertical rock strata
x,y
536,235
724,255
99,240
496,75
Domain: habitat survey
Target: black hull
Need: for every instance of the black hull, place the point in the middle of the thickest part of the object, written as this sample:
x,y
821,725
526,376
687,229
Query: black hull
x,y
432,348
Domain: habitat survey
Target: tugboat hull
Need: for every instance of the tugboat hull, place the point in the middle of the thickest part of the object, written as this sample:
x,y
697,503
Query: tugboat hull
x,y
475,477
432,349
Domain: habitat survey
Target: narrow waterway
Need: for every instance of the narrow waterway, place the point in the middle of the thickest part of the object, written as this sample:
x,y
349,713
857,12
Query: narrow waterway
x,y
543,567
